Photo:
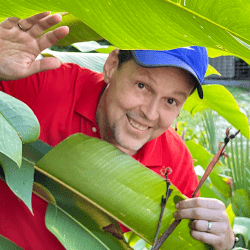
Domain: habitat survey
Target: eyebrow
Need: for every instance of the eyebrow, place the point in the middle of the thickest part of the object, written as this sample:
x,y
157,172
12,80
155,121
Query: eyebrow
x,y
146,78
180,93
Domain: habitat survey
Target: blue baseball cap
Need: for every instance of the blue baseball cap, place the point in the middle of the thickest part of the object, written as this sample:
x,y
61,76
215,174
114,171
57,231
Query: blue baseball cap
x,y
194,59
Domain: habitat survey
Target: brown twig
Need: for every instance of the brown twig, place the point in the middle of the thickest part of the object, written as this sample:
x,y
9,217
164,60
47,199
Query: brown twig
x,y
209,168
164,200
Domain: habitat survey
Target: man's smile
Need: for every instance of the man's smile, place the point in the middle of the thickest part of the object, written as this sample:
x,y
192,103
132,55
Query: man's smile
x,y
137,125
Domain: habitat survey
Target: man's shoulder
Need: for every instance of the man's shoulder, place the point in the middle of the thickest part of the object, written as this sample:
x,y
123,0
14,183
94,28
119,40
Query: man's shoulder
x,y
171,136
72,72
173,144
71,67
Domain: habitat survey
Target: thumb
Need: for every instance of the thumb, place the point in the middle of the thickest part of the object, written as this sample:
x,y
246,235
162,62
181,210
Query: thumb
x,y
44,64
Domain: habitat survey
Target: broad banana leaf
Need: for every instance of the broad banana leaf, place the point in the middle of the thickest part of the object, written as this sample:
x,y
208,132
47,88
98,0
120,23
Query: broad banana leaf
x,y
161,24
18,125
79,31
73,210
108,179
76,204
71,233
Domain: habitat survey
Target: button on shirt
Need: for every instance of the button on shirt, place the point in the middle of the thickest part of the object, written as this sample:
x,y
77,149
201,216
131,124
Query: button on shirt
x,y
65,102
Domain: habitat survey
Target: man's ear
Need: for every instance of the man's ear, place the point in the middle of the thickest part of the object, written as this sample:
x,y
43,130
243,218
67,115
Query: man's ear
x,y
110,65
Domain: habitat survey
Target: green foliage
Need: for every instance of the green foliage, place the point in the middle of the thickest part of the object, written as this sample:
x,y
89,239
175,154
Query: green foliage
x,y
142,25
20,180
71,204
115,175
239,163
59,222
18,125
221,100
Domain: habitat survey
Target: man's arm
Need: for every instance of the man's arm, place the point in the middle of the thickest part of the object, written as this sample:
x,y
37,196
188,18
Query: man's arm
x,y
21,41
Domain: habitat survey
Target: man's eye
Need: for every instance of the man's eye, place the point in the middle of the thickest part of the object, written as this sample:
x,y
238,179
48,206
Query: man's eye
x,y
171,101
140,85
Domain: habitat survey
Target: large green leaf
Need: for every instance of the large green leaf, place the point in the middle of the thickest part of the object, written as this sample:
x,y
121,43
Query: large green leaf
x,y
20,180
78,237
20,117
10,143
160,24
221,100
83,212
18,125
79,31
108,179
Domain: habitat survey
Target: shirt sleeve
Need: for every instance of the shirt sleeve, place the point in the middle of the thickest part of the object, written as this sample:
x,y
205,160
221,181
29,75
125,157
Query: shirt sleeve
x,y
26,89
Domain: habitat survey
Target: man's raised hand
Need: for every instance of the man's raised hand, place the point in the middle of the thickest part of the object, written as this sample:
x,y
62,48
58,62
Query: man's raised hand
x,y
21,42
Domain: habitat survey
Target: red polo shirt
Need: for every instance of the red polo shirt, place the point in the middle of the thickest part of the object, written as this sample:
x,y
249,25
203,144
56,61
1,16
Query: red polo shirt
x,y
65,101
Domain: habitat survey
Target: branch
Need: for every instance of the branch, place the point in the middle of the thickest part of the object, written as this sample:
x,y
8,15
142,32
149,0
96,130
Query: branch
x,y
209,168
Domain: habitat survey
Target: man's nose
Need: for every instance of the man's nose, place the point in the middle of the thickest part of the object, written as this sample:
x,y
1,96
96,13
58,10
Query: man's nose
x,y
150,110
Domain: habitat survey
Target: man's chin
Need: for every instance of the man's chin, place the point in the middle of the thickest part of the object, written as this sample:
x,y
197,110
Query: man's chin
x,y
129,148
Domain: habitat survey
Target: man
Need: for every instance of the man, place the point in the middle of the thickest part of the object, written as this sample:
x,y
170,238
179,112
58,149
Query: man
x,y
131,105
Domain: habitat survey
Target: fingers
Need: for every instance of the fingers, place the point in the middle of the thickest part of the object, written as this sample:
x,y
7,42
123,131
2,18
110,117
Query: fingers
x,y
201,209
51,37
30,21
219,242
9,23
34,25
207,238
202,226
201,202
210,221
42,25
200,214
44,64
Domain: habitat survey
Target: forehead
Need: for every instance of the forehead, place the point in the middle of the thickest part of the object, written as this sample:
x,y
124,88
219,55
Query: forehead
x,y
153,74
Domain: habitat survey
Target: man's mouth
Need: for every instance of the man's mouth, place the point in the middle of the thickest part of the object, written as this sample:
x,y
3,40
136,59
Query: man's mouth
x,y
137,125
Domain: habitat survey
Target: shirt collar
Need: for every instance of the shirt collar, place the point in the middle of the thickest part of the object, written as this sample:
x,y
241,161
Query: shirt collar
x,y
149,155
88,100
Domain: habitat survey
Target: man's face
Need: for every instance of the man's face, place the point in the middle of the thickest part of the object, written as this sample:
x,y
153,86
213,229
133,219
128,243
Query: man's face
x,y
140,103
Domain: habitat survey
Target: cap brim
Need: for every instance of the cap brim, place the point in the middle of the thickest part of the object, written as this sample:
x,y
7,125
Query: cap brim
x,y
152,59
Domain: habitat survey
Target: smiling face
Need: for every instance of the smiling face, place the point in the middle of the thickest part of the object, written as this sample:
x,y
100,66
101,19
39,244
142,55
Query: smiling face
x,y
139,104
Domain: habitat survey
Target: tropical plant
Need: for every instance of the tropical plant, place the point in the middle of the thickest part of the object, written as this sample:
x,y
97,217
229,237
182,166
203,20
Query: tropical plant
x,y
234,172
192,24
